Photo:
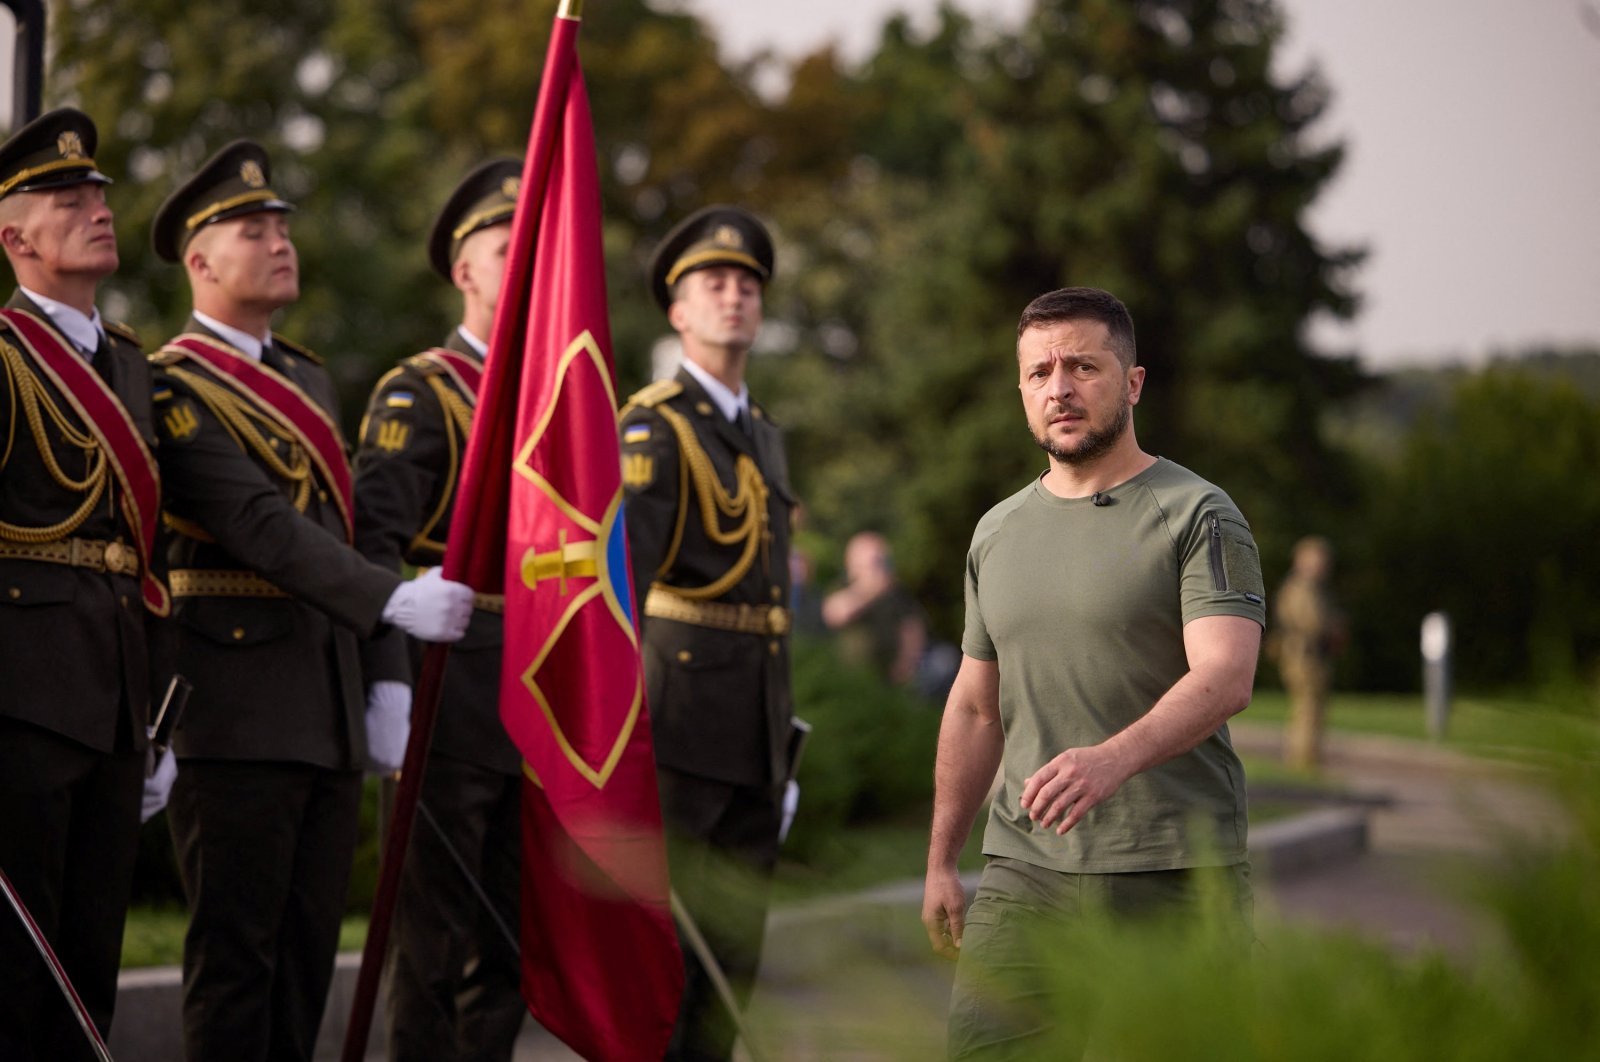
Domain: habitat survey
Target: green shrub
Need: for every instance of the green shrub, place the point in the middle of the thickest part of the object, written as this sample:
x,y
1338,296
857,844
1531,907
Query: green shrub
x,y
1528,991
871,750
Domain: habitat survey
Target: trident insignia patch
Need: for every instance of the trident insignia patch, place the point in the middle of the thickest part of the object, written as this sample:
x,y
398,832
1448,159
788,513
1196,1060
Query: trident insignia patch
x,y
393,436
181,421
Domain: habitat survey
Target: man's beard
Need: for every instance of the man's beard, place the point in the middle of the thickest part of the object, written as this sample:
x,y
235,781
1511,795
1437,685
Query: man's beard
x,y
1094,442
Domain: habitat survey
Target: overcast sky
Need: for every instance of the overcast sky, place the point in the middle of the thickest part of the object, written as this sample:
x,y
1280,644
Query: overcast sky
x,y
1474,165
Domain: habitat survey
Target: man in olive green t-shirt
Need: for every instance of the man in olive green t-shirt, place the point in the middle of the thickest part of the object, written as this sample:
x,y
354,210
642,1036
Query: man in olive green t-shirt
x,y
1114,614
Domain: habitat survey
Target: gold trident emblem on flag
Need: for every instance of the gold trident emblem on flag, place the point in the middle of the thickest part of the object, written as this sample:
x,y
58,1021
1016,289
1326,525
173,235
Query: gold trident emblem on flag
x,y
570,560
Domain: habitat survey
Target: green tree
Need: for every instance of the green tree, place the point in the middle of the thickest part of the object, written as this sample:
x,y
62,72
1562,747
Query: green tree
x,y
332,91
1487,512
1144,146
919,201
674,127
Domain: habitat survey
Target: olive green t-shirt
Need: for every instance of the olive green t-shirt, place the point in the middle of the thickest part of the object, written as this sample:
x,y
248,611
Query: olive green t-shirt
x,y
1083,606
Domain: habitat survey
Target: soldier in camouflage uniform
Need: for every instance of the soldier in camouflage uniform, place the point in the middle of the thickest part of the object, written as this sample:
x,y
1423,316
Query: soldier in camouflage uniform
x,y
1310,633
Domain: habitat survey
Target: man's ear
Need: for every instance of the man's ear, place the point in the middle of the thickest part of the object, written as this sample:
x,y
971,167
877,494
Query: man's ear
x,y
194,260
1135,384
14,240
675,312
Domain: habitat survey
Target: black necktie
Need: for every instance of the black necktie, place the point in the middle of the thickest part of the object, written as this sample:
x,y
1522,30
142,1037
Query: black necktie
x,y
743,420
273,358
100,357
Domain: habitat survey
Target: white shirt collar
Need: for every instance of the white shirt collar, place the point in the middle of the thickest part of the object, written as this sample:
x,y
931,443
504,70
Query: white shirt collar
x,y
729,403
248,345
473,341
83,331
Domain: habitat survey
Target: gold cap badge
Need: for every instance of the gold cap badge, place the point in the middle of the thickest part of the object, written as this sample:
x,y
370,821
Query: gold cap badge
x,y
510,187
70,144
727,236
250,173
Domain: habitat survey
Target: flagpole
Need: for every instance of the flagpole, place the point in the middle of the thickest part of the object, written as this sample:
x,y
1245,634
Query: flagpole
x,y
63,982
424,711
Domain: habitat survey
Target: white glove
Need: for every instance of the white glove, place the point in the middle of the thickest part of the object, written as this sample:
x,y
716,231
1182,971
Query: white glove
x,y
388,725
791,803
430,608
159,774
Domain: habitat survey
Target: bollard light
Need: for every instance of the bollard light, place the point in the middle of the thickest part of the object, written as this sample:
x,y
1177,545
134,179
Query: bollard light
x,y
1436,651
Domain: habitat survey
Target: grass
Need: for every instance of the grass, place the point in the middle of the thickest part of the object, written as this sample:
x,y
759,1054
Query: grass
x,y
154,936
1494,727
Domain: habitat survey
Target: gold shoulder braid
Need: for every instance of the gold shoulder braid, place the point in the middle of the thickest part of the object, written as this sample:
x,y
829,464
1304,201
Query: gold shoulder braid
x,y
117,328
25,390
457,430
297,348
651,395
244,422
746,506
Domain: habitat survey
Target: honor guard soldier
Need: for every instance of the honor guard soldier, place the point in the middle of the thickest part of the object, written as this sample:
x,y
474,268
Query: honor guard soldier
x,y
708,520
271,603
79,604
455,984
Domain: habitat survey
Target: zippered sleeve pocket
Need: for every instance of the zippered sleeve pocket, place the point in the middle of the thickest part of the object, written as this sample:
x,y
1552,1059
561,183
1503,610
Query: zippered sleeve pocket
x,y
1235,563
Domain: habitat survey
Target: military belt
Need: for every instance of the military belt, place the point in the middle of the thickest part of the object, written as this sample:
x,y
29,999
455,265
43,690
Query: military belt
x,y
224,582
115,557
746,619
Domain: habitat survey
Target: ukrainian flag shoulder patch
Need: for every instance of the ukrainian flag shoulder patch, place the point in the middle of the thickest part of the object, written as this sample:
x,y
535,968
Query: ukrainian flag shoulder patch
x,y
636,433
400,400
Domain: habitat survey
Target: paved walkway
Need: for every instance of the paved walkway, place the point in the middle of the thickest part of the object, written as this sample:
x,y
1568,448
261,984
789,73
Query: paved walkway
x,y
1439,817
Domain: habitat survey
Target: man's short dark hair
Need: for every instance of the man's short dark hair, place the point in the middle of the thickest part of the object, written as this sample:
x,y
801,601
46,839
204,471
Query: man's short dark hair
x,y
1085,304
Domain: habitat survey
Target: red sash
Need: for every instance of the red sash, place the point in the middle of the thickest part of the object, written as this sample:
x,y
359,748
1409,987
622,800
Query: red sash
x,y
466,372
291,407
99,408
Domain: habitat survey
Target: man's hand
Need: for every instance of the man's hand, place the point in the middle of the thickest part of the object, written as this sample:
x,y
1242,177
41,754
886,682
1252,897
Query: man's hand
x,y
388,725
430,608
944,911
1070,785
159,774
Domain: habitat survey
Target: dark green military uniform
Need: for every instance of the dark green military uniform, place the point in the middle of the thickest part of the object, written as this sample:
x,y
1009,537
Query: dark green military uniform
x,y
454,984
708,509
76,654
271,603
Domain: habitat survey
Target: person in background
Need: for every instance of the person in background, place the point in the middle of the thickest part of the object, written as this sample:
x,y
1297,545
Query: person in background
x,y
1309,633
878,624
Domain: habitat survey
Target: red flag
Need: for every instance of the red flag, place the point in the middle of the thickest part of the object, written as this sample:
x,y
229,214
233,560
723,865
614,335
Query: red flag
x,y
539,514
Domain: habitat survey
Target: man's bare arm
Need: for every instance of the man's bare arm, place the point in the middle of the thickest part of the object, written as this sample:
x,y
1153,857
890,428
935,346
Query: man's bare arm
x,y
1222,652
970,743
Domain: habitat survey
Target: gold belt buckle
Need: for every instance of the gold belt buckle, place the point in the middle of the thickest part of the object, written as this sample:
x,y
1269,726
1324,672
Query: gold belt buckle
x,y
115,556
